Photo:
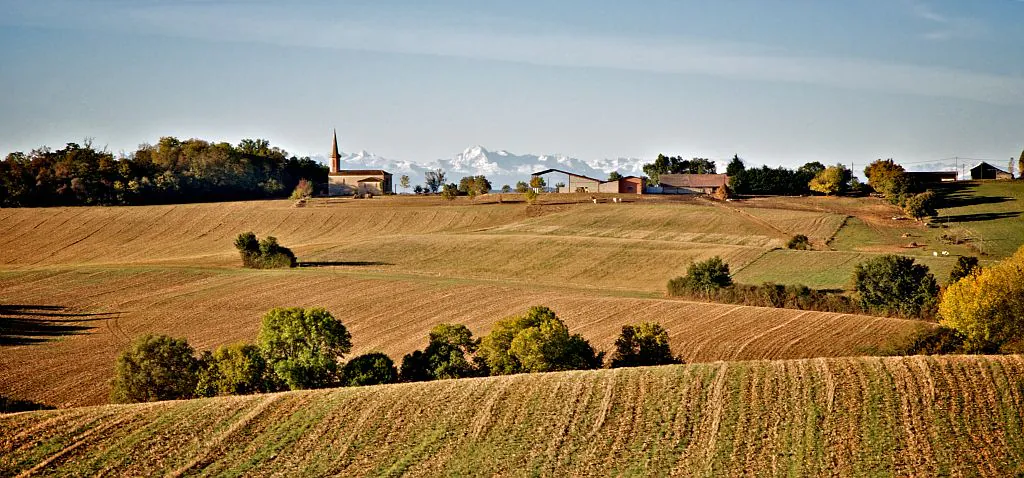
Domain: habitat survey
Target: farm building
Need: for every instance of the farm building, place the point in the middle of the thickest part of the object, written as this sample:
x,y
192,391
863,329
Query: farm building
x,y
692,183
986,171
922,177
343,182
585,184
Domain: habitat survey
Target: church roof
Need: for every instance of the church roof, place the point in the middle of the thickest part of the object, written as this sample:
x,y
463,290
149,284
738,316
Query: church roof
x,y
361,172
334,148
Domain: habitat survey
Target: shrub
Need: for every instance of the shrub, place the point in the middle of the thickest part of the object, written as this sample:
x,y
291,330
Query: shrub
x,y
530,195
236,369
449,354
449,191
537,341
921,205
264,254
702,278
369,369
988,306
935,341
304,346
894,284
14,405
965,266
641,345
303,190
799,242
155,367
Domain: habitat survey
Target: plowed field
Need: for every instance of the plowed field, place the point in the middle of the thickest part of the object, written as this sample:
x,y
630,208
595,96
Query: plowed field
x,y
386,313
916,416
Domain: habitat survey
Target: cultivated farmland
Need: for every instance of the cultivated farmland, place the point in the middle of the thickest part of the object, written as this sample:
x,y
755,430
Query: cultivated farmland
x,y
911,416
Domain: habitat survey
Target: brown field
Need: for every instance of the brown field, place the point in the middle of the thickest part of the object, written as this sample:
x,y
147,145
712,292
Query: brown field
x,y
907,416
384,312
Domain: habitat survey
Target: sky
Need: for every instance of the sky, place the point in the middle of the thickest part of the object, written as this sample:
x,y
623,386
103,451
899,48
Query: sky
x,y
774,81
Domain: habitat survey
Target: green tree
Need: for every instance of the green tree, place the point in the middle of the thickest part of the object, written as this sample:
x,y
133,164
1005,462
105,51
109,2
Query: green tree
x,y
614,176
988,306
434,180
450,192
153,368
799,242
537,182
702,278
522,187
506,189
735,166
832,180
920,205
449,354
894,284
641,345
369,369
236,369
481,184
537,341
304,346
965,266
404,181
888,178
530,195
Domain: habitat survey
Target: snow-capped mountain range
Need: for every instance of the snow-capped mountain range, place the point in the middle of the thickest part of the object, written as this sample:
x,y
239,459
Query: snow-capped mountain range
x,y
500,166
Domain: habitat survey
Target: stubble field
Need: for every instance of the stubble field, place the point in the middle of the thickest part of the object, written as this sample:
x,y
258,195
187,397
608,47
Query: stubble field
x,y
905,416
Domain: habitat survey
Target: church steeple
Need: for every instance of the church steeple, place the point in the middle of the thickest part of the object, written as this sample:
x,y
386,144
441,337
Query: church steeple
x,y
335,157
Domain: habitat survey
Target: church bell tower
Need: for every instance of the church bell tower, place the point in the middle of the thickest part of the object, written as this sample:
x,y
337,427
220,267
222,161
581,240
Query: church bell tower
x,y
335,157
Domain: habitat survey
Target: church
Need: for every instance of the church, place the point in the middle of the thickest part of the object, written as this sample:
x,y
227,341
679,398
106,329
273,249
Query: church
x,y
345,182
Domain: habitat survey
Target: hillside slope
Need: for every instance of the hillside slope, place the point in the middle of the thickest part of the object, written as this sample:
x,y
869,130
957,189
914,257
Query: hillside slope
x,y
76,321
916,416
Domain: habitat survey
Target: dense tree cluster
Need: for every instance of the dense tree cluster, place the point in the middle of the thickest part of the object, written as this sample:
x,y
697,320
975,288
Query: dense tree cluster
x,y
891,181
304,348
170,171
887,285
677,165
775,181
263,254
473,185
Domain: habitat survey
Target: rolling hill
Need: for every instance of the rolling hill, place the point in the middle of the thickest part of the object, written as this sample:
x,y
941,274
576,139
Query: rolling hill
x,y
906,416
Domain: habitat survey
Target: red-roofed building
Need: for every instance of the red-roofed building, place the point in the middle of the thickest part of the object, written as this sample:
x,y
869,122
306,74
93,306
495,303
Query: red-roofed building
x,y
692,183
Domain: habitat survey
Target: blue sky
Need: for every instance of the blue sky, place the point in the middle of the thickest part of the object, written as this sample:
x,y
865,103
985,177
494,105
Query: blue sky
x,y
778,82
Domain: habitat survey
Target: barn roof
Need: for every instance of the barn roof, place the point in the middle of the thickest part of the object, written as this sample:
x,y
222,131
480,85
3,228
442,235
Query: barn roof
x,y
985,165
693,180
546,171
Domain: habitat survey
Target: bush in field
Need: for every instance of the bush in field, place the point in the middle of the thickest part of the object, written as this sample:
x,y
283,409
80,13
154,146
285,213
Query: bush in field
x,y
449,354
304,347
537,341
936,341
265,254
988,306
920,205
641,345
702,278
153,368
14,405
965,266
369,369
531,196
236,369
303,190
799,242
450,191
894,284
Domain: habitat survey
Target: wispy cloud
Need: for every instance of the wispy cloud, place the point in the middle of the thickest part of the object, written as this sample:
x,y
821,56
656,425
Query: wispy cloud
x,y
945,27
271,24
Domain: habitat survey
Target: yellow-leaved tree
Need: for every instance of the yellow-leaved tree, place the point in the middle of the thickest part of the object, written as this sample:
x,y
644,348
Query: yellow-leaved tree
x,y
987,306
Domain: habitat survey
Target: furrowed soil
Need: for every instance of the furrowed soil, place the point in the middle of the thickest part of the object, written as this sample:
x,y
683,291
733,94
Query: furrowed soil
x,y
78,284
899,416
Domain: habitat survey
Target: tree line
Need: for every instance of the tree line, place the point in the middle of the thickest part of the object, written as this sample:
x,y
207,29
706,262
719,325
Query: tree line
x,y
170,171
305,348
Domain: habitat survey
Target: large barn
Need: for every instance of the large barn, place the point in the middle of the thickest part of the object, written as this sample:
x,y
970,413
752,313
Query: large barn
x,y
584,184
345,182
692,183
986,171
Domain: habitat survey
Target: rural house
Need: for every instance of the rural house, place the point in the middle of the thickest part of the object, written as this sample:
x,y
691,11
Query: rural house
x,y
692,183
986,171
344,182
585,184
